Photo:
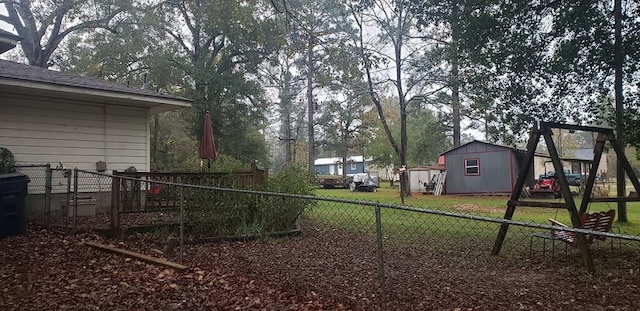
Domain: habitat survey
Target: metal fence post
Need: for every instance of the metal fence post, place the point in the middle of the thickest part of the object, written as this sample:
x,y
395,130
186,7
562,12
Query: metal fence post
x,y
67,173
383,294
181,223
115,202
47,194
75,199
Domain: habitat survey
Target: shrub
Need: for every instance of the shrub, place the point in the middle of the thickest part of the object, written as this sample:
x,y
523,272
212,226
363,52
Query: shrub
x,y
7,161
222,213
280,213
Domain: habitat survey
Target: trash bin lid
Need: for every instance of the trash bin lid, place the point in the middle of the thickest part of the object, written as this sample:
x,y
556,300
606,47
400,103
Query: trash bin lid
x,y
13,176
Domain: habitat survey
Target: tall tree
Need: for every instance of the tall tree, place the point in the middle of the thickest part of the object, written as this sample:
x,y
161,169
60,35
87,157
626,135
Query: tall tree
x,y
219,47
313,25
386,57
343,123
43,25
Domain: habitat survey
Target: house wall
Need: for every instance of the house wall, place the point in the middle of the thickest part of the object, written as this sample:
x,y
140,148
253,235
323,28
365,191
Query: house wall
x,y
323,169
359,168
497,173
42,130
336,169
540,167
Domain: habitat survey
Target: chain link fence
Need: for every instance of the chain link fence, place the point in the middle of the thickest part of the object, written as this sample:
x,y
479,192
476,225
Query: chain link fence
x,y
39,188
313,237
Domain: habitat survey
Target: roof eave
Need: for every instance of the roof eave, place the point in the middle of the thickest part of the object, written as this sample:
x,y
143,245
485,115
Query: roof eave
x,y
154,103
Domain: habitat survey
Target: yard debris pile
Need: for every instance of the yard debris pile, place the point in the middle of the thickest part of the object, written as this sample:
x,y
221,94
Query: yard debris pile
x,y
320,270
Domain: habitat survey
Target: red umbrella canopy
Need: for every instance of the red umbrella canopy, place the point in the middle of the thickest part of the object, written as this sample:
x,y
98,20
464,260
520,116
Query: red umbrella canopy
x,y
207,145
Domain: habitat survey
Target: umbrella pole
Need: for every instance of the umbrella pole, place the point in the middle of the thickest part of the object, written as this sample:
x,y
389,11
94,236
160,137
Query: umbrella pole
x,y
208,165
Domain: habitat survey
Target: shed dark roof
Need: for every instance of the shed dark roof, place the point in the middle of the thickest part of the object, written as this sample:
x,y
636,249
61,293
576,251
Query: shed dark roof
x,y
486,143
582,155
21,72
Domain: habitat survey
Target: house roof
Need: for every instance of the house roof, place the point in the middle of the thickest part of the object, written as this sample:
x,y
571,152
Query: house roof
x,y
8,41
32,80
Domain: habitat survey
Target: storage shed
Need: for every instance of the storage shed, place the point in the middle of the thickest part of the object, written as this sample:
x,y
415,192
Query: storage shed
x,y
482,168
420,175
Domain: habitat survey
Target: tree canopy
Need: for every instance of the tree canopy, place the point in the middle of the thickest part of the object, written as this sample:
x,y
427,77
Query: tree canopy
x,y
297,74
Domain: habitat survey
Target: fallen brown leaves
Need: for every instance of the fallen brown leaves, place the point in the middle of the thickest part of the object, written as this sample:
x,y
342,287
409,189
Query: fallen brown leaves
x,y
321,270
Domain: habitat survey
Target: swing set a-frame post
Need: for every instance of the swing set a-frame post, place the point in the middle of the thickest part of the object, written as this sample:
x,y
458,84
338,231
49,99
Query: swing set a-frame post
x,y
534,137
545,129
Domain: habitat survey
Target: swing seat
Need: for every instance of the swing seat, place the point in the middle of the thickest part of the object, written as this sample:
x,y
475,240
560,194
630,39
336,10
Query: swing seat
x,y
599,222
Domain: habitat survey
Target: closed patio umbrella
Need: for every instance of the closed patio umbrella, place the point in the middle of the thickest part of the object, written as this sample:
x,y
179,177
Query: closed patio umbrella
x,y
207,144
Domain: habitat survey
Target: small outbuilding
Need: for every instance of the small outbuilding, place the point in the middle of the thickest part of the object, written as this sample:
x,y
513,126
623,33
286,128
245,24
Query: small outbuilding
x,y
482,168
418,176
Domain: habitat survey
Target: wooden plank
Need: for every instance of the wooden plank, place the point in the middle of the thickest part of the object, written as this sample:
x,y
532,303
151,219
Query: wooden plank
x,y
554,125
539,204
534,138
616,199
134,255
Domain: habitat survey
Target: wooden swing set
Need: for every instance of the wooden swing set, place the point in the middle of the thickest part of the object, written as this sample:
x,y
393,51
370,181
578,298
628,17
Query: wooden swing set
x,y
580,240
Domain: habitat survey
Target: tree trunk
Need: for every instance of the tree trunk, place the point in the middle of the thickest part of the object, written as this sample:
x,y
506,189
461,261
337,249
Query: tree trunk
x,y
287,139
618,63
455,78
404,181
310,105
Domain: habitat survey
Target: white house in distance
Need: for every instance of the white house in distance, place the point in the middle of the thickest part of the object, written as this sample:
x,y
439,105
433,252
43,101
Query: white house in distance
x,y
333,166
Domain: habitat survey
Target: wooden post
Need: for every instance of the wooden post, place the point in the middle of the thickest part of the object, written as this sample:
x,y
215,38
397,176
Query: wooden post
x,y
568,198
591,179
622,159
534,137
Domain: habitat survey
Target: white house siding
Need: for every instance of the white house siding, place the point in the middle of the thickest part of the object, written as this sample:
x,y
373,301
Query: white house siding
x,y
41,130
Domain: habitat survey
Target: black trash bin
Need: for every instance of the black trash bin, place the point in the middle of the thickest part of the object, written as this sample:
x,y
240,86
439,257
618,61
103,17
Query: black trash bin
x,y
13,196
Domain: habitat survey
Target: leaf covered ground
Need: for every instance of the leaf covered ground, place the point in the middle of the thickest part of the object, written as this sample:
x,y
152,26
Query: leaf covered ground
x,y
319,270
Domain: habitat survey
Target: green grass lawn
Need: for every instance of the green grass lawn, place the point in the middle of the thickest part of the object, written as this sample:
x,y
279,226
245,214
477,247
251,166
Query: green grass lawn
x,y
491,206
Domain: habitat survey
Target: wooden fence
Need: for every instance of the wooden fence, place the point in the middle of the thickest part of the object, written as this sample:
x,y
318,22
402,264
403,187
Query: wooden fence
x,y
144,195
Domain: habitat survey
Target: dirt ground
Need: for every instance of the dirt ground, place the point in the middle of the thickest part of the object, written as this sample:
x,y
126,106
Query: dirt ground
x,y
319,270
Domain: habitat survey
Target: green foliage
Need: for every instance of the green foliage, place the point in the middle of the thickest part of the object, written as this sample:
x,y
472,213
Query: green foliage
x,y
220,213
7,161
172,147
427,138
225,164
